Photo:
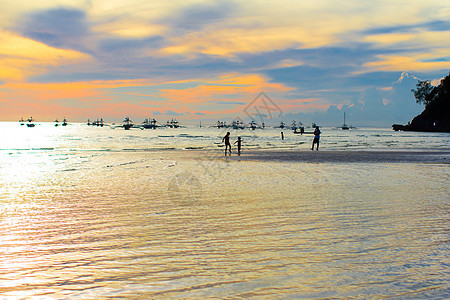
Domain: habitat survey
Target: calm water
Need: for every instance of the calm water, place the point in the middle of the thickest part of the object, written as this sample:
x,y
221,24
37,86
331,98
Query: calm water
x,y
105,213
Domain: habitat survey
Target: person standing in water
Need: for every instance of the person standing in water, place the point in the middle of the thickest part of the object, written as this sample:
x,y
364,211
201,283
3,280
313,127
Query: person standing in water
x,y
316,138
226,139
239,143
282,136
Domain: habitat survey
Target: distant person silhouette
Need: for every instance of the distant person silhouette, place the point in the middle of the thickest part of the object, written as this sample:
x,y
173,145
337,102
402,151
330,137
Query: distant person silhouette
x,y
282,136
239,143
316,138
226,139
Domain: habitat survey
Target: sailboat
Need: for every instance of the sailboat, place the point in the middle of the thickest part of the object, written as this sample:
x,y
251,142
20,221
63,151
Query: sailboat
x,y
345,126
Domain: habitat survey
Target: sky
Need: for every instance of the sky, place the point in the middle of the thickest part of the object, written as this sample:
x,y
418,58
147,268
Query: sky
x,y
195,60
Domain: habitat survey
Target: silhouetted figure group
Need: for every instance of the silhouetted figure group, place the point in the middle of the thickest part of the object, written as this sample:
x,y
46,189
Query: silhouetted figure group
x,y
226,139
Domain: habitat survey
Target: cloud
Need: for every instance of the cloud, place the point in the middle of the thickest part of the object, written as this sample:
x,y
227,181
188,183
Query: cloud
x,y
131,45
230,102
198,55
173,113
438,25
197,16
375,106
59,27
22,57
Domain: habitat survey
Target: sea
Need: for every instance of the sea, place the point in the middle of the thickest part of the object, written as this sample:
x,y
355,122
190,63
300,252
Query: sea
x,y
102,212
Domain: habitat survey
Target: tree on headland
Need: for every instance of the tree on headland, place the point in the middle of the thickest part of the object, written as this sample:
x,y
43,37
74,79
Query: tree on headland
x,y
436,116
424,92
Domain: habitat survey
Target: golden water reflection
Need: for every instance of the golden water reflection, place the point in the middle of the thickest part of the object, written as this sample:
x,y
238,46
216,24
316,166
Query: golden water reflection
x,y
92,226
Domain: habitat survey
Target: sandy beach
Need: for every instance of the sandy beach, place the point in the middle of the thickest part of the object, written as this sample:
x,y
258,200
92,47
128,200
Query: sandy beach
x,y
327,156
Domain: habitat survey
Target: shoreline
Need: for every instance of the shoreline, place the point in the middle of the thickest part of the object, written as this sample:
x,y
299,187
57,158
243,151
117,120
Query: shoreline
x,y
350,156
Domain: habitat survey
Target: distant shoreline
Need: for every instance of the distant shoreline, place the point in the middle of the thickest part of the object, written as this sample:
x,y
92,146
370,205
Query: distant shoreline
x,y
351,156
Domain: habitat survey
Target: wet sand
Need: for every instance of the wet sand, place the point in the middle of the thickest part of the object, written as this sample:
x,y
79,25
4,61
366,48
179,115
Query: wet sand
x,y
327,156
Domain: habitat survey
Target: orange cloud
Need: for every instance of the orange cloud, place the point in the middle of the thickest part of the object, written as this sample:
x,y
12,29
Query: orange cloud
x,y
22,57
231,87
405,63
101,96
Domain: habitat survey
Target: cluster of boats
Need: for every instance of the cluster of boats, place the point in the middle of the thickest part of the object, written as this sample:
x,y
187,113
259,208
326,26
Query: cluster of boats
x,y
127,124
64,122
30,122
99,123
239,124
151,123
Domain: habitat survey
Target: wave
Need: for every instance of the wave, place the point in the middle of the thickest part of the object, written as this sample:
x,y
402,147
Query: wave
x,y
191,136
43,149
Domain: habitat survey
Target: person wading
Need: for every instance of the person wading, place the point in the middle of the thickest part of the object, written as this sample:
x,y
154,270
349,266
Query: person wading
x,y
316,138
226,139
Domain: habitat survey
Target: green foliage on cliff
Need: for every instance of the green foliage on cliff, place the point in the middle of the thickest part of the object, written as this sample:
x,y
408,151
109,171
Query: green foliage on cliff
x,y
426,93
436,116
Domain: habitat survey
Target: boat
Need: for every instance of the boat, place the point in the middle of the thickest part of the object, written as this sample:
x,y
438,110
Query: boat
x,y
253,125
64,122
173,124
56,123
300,131
238,124
30,122
345,126
149,124
97,123
282,125
294,126
22,121
220,124
127,123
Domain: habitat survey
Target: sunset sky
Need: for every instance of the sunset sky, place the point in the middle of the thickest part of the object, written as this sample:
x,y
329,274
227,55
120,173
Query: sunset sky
x,y
207,60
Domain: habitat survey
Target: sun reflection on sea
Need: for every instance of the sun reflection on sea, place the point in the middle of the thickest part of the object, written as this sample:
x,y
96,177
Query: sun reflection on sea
x,y
26,159
102,213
